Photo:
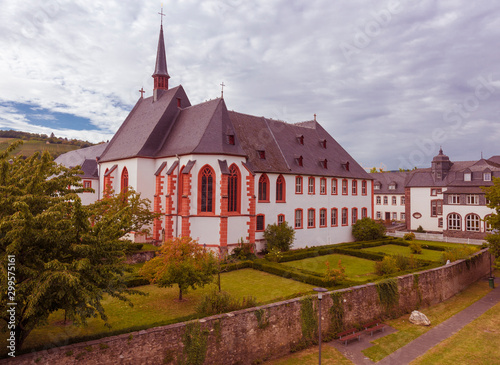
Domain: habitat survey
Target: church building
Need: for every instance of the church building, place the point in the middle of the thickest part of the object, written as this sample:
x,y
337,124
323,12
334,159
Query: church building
x,y
221,176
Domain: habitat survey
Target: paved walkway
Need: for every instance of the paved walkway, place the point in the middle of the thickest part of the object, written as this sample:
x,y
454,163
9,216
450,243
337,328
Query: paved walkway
x,y
425,342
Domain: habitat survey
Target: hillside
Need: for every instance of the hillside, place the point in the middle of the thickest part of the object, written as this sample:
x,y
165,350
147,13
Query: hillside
x,y
39,142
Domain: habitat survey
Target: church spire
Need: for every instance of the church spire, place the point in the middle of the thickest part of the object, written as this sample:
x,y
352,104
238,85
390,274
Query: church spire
x,y
160,75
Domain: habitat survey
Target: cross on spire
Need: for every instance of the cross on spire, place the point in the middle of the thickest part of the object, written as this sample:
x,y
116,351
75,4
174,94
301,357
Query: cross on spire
x,y
161,15
222,90
142,92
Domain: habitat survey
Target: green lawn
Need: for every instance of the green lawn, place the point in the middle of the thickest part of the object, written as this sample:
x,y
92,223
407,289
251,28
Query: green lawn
x,y
356,269
430,255
407,332
162,307
476,343
440,244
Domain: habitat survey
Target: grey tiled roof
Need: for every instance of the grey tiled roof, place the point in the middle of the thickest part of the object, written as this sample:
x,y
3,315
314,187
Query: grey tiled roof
x,y
387,178
85,158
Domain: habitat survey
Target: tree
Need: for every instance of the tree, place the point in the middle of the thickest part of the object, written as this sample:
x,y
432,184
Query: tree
x,y
367,229
181,261
61,260
493,195
280,236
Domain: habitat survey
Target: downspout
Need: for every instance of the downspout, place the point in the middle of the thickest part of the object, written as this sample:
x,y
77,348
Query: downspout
x,y
177,195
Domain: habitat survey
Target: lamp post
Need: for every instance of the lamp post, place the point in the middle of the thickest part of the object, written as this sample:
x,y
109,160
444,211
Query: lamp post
x,y
320,297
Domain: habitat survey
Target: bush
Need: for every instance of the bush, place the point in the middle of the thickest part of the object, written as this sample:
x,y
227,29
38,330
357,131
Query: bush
x,y
335,275
416,248
274,255
216,302
458,253
133,247
420,229
280,236
409,236
367,229
244,251
386,267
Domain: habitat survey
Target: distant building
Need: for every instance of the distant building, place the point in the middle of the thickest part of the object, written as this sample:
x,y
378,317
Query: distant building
x,y
448,197
389,196
86,158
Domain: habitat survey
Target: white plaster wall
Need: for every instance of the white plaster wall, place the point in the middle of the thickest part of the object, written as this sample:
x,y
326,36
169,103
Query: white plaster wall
x,y
421,203
319,235
237,228
89,198
398,208
205,229
464,210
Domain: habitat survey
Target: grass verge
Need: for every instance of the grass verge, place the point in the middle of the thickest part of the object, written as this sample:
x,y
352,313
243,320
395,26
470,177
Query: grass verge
x,y
329,355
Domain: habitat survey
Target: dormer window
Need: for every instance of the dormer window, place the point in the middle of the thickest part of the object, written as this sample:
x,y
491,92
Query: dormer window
x,y
467,176
322,142
345,166
262,154
487,176
300,160
300,139
392,186
324,163
376,186
230,139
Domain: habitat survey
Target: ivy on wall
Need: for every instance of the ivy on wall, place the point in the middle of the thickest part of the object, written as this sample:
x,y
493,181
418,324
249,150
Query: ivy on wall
x,y
388,295
195,344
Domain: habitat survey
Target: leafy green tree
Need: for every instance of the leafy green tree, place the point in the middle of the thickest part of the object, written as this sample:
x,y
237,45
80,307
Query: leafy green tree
x,y
367,229
61,259
493,195
280,236
181,261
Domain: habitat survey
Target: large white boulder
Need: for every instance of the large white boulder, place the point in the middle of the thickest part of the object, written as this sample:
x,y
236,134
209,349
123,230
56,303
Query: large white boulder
x,y
419,318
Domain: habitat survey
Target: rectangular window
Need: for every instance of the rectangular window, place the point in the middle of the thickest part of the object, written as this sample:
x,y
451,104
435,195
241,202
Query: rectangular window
x,y
392,187
334,186
376,187
322,218
281,218
472,199
298,185
440,222
403,200
322,186
386,200
334,217
394,200
378,200
467,176
433,192
363,188
379,215
260,223
487,176
344,187
453,199
395,216
354,215
87,184
436,208
298,218
311,218
344,216
403,216
354,187
311,186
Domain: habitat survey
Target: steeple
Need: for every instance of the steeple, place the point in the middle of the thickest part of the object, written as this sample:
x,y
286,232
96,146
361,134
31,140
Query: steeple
x,y
160,75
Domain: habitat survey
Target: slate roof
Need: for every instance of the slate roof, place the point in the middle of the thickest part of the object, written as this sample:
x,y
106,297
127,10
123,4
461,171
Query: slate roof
x,y
85,158
161,59
387,178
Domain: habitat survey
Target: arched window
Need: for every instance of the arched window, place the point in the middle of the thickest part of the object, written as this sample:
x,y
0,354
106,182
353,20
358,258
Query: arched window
x,y
363,187
454,222
233,189
354,187
298,218
354,215
364,213
124,181
472,223
264,189
334,217
322,217
344,216
207,189
379,200
385,200
280,189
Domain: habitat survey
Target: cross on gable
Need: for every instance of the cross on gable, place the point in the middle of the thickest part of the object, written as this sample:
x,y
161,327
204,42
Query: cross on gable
x,y
222,90
142,92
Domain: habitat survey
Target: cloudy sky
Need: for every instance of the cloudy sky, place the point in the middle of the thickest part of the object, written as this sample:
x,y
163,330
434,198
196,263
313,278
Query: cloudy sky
x,y
390,80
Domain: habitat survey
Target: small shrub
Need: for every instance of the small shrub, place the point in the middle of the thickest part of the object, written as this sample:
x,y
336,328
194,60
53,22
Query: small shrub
x,y
367,229
280,236
409,236
420,229
386,267
275,255
244,251
458,253
216,302
335,275
416,248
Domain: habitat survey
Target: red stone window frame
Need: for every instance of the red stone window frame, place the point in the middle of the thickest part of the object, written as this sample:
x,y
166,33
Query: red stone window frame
x,y
263,194
299,219
206,190
299,185
322,186
354,189
345,187
436,207
335,186
311,218
234,190
323,216
280,189
281,219
364,189
260,223
345,217
394,200
354,215
311,185
364,213
124,181
87,184
454,222
386,200
334,221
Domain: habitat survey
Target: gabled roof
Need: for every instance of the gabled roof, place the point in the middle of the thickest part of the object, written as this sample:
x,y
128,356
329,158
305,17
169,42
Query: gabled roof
x,y
85,158
387,178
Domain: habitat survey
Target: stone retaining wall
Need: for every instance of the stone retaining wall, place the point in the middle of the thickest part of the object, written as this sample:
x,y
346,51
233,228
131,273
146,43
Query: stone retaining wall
x,y
139,257
241,338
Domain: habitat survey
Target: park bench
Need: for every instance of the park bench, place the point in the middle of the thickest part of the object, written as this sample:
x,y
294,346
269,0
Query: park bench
x,y
374,326
348,335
